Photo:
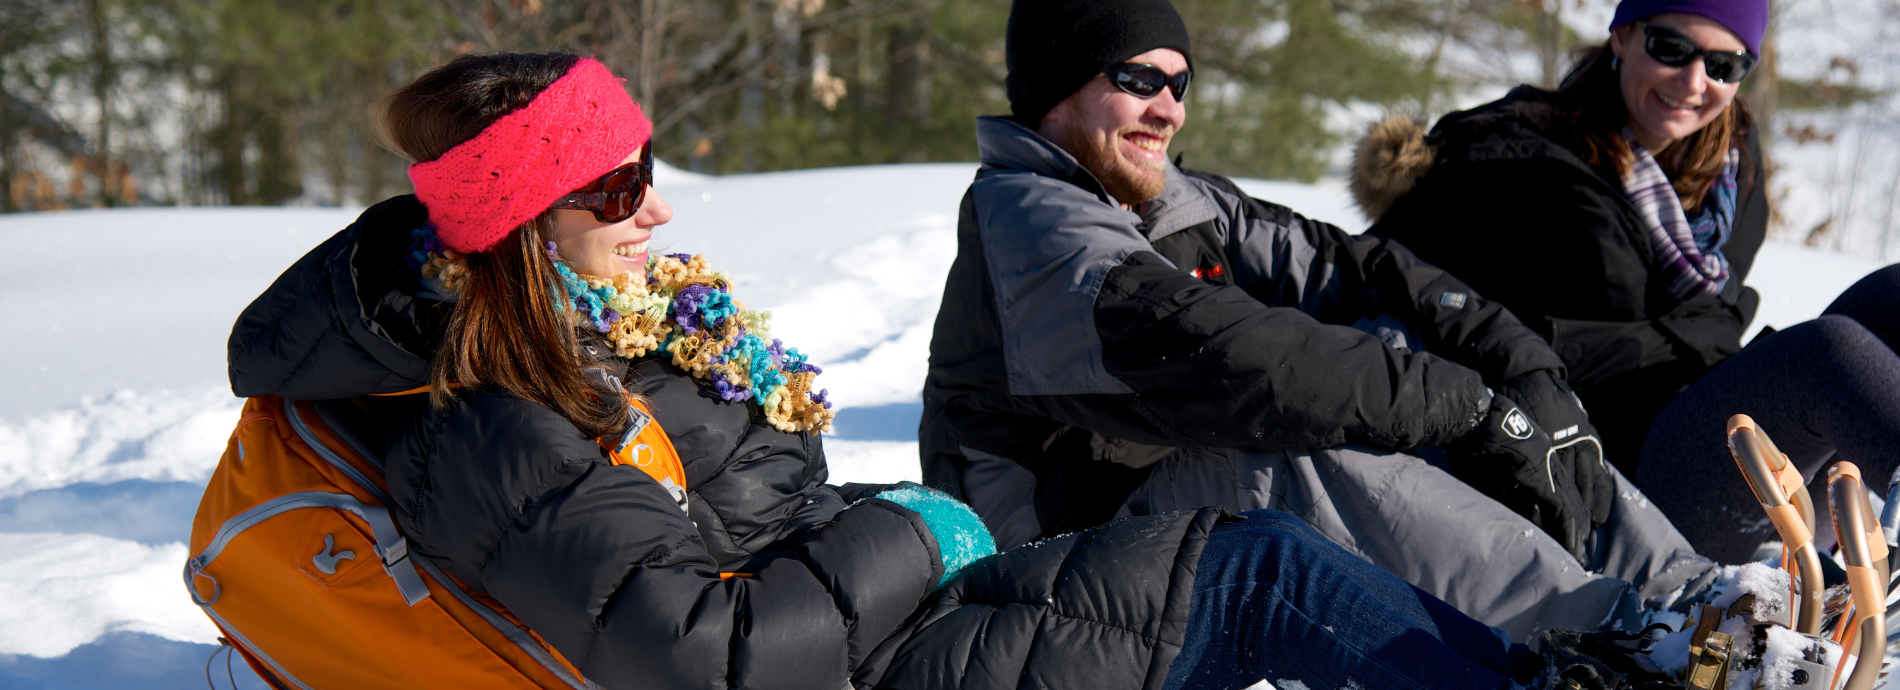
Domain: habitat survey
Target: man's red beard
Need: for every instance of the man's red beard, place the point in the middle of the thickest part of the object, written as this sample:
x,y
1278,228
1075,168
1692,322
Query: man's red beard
x,y
1129,182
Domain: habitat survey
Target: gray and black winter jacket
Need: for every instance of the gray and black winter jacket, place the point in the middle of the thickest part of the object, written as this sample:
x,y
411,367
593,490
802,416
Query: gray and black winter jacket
x,y
599,560
1079,343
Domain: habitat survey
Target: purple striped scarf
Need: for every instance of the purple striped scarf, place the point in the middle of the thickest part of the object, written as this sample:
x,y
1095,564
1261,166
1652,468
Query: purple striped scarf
x,y
1690,268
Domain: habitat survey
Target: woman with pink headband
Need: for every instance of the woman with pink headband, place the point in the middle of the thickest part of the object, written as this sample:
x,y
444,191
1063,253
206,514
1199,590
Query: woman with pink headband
x,y
616,451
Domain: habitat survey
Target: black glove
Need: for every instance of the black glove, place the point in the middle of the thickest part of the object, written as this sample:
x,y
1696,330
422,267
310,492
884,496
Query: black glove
x,y
1560,484
1549,401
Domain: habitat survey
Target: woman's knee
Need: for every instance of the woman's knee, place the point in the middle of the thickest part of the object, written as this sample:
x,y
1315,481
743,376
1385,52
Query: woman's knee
x,y
1822,347
1832,347
1874,301
1836,331
1878,290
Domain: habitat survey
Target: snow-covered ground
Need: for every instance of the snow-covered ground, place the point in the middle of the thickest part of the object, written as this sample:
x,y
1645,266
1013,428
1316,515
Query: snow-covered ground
x,y
114,406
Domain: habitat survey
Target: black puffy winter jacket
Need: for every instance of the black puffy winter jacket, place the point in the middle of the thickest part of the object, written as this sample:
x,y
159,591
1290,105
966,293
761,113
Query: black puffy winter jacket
x,y
1512,211
598,559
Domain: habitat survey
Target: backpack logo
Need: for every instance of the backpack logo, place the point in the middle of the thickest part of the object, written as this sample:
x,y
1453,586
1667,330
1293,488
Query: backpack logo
x,y
1516,425
325,561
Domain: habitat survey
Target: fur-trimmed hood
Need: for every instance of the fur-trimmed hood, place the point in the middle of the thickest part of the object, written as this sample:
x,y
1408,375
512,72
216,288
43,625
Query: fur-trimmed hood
x,y
1397,151
1390,158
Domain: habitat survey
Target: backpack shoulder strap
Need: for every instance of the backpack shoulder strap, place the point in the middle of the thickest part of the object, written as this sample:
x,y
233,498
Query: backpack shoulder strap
x,y
646,446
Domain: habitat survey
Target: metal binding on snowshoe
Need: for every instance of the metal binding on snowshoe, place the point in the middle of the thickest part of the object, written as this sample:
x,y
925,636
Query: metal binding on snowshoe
x,y
1890,532
1784,496
1864,549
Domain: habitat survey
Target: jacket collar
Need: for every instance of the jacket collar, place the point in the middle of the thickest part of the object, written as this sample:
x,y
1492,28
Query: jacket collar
x,y
1004,143
1182,204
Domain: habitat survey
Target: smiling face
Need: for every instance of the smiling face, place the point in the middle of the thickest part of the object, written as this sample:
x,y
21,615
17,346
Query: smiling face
x,y
1121,139
1668,103
609,249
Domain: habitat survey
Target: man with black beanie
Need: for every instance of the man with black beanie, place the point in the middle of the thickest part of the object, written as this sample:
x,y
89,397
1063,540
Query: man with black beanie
x,y
1056,47
1120,336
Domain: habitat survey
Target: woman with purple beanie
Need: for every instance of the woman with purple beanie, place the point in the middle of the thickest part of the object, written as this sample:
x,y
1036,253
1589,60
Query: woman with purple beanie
x,y
1619,216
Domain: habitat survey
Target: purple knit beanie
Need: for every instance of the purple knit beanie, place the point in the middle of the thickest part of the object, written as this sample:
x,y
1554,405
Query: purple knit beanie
x,y
1747,18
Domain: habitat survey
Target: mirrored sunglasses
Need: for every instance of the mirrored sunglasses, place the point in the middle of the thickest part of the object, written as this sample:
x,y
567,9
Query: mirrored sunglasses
x,y
1145,81
617,195
1676,50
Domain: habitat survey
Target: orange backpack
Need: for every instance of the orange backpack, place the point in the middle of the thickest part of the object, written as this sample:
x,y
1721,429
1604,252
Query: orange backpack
x,y
301,566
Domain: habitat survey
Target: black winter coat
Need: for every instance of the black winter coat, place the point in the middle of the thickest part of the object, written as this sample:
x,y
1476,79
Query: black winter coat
x,y
598,560
1526,221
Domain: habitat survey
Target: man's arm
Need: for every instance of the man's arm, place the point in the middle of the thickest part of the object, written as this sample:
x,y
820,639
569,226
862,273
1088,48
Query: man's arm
x,y
1282,257
1215,367
1101,333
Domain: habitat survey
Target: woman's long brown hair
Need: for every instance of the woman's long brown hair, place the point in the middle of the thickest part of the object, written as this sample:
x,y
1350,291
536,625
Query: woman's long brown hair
x,y
505,331
1591,98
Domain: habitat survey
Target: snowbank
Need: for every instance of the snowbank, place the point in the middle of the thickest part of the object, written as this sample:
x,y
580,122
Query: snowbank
x,y
169,435
70,589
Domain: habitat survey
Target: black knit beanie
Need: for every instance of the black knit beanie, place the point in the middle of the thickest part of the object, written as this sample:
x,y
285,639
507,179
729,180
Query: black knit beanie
x,y
1056,46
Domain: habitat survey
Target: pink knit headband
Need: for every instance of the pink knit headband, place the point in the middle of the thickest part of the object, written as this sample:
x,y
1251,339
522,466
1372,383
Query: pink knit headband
x,y
576,130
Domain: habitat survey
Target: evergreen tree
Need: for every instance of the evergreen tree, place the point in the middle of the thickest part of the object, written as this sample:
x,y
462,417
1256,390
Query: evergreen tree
x,y
269,101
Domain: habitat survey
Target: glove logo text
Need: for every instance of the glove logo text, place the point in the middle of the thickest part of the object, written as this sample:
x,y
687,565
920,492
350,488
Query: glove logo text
x,y
1516,425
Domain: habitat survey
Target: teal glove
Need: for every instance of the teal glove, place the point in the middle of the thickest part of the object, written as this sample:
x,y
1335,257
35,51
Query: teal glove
x,y
960,534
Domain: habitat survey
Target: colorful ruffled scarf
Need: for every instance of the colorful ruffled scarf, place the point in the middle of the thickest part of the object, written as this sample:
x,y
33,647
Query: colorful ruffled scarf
x,y
681,308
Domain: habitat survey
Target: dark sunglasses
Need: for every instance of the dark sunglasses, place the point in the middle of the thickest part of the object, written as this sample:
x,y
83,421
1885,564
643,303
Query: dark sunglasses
x,y
1676,50
1146,81
617,195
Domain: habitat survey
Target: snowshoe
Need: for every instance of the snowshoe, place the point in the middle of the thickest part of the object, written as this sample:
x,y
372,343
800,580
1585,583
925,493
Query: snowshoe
x,y
1776,627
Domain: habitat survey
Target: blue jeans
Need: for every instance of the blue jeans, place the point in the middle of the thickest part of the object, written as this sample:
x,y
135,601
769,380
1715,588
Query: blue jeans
x,y
1274,600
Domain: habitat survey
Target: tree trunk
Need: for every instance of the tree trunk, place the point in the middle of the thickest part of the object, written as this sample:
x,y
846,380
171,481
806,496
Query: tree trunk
x,y
11,201
1761,90
653,14
752,95
102,78
787,19
227,140
1550,44
866,42
279,171
907,87
1762,85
